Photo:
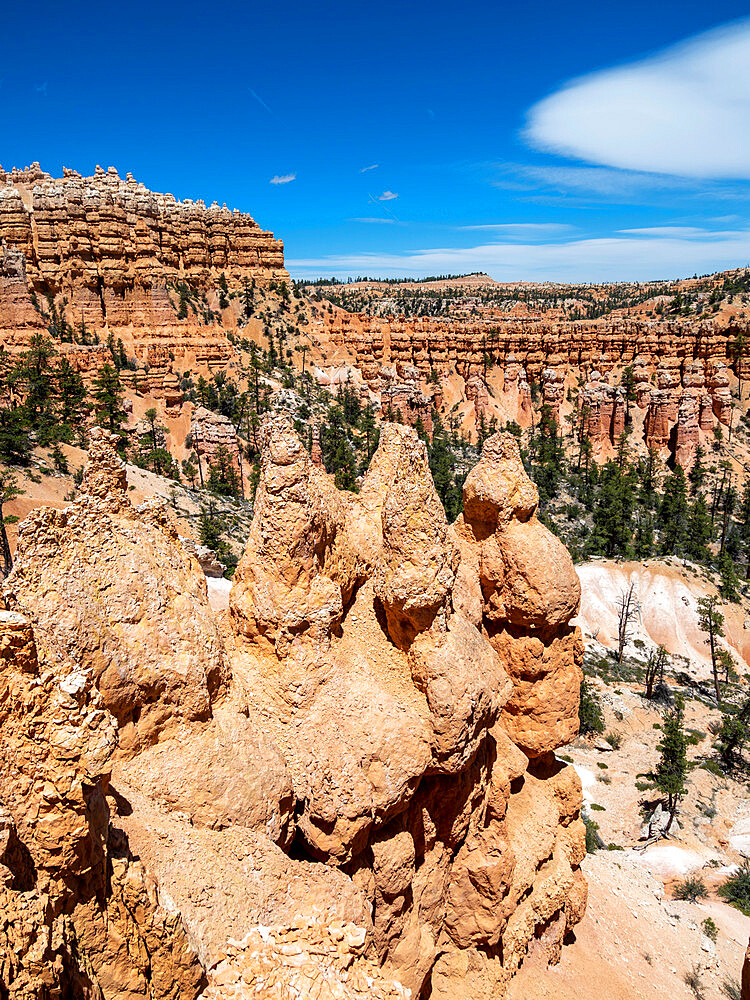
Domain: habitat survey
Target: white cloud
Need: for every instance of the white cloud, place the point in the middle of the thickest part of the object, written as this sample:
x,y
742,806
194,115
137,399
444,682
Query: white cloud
x,y
390,221
684,111
373,166
521,229
283,179
620,257
684,231
387,196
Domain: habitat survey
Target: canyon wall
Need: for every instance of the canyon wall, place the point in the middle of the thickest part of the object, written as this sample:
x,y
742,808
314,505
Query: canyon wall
x,y
469,346
679,390
113,250
348,780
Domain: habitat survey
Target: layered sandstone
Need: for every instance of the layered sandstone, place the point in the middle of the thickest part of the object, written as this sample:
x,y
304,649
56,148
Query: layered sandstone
x,y
212,434
497,358
107,234
113,255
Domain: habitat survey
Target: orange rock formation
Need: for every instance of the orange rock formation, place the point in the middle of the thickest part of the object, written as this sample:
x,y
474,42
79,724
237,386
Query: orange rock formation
x,y
385,696
112,248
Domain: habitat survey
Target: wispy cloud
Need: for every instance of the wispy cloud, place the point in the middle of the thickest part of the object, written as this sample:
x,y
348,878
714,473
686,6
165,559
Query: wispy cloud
x,y
677,231
373,166
373,219
617,257
526,230
260,101
684,111
387,196
283,178
608,184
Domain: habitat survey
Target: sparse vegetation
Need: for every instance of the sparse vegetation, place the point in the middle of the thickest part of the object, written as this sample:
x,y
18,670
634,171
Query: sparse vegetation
x,y
691,889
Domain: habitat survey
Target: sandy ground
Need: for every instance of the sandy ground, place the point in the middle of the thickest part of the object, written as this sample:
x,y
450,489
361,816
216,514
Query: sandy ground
x,y
636,944
667,592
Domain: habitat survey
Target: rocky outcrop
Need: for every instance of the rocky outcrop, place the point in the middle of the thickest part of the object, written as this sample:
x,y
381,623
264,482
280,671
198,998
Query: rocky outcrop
x,y
398,686
687,431
419,749
402,399
211,434
603,414
310,959
107,234
81,917
119,259
114,586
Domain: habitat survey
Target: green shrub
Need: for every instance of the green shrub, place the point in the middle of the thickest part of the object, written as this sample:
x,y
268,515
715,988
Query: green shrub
x,y
593,840
597,808
614,740
736,889
691,889
710,929
590,716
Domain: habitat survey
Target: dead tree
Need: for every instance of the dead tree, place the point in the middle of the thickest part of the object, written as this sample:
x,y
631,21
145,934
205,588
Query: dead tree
x,y
627,609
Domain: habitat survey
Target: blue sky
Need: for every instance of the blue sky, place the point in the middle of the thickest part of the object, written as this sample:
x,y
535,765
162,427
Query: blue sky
x,y
573,141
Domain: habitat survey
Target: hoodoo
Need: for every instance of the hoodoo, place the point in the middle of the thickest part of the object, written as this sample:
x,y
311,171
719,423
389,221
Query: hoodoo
x,y
385,697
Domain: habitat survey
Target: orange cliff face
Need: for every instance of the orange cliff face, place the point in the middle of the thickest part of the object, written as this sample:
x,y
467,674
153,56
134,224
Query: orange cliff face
x,y
112,249
484,367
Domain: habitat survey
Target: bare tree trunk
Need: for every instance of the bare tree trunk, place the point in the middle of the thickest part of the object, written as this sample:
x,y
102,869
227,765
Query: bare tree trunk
x,y
626,613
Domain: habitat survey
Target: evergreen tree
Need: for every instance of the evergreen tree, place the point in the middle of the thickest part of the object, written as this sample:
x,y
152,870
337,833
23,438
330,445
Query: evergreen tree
x,y
711,621
15,439
673,514
697,475
72,399
733,734
9,491
671,771
613,512
443,469
729,586
698,531
107,395
223,475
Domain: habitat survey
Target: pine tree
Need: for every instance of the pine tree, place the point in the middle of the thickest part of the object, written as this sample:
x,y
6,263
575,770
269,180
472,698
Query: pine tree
x,y
107,394
673,514
613,512
733,734
670,774
654,672
223,475
698,531
697,475
729,586
9,491
711,621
